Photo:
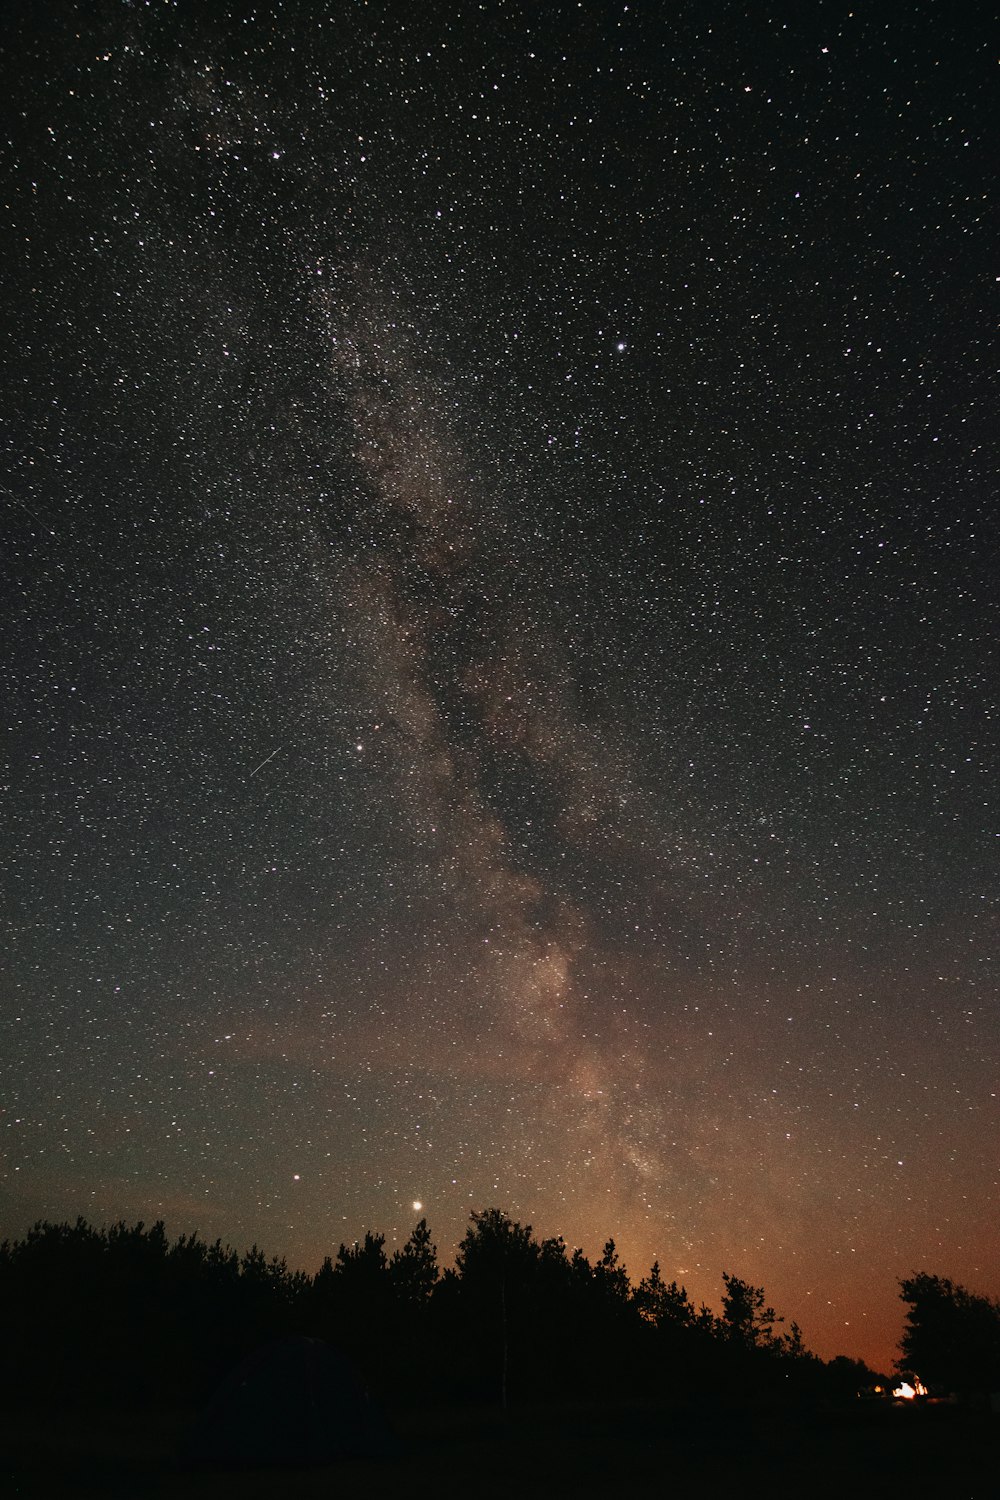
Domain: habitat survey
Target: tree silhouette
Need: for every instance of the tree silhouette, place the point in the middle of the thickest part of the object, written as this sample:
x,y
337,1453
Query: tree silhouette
x,y
793,1344
611,1277
495,1247
747,1320
364,1265
413,1271
952,1336
496,1262
662,1305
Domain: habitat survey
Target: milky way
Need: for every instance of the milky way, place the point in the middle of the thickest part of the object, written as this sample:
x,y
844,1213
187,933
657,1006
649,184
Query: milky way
x,y
500,641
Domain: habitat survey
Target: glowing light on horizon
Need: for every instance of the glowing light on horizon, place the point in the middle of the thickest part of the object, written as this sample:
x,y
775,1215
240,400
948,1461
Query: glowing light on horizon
x,y
907,1392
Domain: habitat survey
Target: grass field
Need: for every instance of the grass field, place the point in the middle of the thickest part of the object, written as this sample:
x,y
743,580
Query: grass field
x,y
611,1450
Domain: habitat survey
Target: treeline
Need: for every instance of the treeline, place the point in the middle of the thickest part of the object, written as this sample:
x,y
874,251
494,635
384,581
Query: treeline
x,y
952,1336
124,1314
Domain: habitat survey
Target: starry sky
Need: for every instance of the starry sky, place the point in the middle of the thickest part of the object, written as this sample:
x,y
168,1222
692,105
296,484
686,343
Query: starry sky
x,y
500,654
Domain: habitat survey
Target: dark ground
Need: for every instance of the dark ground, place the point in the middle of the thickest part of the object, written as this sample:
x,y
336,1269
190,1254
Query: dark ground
x,y
599,1450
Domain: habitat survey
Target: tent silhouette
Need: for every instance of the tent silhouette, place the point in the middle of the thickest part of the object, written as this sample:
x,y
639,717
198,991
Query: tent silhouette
x,y
293,1402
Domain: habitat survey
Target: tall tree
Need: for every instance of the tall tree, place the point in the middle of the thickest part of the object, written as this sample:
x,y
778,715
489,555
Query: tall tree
x,y
952,1335
747,1320
661,1304
413,1270
611,1275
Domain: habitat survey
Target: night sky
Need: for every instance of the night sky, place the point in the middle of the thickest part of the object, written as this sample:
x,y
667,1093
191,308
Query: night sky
x,y
500,648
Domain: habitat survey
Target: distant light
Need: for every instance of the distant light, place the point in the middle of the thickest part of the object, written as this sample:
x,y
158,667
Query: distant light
x,y
417,1205
907,1392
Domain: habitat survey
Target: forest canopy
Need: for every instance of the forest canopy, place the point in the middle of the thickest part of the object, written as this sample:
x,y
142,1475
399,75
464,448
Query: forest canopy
x,y
126,1312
